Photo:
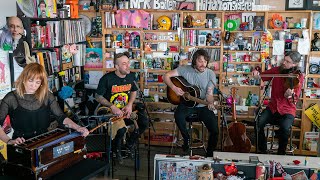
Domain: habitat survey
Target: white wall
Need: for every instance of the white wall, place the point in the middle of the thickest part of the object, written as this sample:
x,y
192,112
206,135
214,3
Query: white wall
x,y
7,8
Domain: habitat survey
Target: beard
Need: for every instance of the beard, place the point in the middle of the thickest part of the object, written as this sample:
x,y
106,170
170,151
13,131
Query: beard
x,y
286,71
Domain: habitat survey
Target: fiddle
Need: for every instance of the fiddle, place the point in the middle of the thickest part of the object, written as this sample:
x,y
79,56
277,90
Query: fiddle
x,y
291,79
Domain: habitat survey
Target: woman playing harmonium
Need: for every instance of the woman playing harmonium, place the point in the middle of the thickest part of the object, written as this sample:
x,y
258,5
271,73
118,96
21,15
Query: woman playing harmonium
x,y
30,105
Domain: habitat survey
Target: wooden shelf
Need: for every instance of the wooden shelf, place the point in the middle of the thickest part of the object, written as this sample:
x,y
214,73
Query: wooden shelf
x,y
313,76
309,153
159,31
233,51
312,99
206,47
221,14
210,29
245,62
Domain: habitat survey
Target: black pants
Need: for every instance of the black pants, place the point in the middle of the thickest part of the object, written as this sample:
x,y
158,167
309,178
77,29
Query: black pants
x,y
284,121
142,123
205,115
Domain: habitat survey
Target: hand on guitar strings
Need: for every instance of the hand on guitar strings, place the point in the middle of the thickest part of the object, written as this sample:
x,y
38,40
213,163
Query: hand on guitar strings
x,y
115,110
178,91
127,110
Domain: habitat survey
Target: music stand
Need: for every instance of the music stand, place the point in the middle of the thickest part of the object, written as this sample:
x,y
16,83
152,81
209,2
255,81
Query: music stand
x,y
259,111
107,148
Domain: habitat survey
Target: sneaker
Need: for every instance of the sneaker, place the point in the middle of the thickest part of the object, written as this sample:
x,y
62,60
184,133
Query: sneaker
x,y
131,150
119,157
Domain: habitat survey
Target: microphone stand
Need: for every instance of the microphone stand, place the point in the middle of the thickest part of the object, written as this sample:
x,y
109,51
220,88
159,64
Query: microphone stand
x,y
149,127
259,111
73,113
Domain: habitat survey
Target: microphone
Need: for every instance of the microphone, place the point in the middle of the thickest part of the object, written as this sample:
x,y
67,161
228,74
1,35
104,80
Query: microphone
x,y
218,90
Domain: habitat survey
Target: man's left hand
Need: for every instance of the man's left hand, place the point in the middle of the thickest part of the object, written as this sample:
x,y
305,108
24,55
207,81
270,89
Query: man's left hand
x,y
289,92
127,111
213,106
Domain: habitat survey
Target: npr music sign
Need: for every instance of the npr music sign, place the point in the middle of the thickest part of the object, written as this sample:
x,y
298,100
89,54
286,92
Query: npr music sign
x,y
153,4
204,5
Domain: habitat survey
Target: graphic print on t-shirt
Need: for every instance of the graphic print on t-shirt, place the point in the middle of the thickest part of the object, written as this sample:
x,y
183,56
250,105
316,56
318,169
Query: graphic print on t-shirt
x,y
120,95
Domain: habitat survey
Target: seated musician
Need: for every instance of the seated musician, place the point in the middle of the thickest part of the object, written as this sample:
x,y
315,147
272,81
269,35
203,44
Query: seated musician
x,y
281,109
118,91
196,74
30,105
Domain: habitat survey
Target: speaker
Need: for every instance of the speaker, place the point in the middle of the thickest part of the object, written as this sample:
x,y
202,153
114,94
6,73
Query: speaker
x,y
97,143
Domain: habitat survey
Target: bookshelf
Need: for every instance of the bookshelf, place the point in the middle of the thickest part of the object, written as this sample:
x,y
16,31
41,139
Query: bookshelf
x,y
56,44
158,47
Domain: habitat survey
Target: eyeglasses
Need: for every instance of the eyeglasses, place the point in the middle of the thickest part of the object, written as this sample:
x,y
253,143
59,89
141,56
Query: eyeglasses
x,y
12,26
288,61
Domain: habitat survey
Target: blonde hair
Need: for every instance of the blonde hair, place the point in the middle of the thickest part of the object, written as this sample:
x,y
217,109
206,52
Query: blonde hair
x,y
33,71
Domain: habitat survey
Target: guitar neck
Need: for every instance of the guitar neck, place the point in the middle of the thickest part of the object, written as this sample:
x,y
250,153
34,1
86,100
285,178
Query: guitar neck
x,y
200,101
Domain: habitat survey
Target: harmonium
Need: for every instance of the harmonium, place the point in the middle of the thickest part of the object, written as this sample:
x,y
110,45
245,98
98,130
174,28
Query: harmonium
x,y
45,155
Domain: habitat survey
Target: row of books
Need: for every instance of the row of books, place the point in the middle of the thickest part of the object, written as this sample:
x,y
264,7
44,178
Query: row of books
x,y
50,60
56,33
201,38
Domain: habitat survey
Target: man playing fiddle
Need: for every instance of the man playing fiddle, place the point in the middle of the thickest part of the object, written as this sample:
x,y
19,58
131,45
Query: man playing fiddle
x,y
281,109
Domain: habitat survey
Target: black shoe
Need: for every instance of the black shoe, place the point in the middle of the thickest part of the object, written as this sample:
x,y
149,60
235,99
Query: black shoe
x,y
185,147
119,157
208,154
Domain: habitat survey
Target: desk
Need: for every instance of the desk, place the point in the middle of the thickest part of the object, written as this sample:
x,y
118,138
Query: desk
x,y
172,167
82,170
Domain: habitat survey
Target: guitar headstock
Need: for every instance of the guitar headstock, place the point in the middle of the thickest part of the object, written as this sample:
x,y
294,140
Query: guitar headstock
x,y
234,92
233,95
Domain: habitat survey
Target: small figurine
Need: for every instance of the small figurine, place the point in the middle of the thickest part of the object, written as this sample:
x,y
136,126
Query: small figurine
x,y
209,40
240,42
315,42
188,21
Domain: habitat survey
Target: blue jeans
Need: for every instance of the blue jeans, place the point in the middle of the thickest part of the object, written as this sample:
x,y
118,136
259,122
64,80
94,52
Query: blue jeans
x,y
283,121
205,115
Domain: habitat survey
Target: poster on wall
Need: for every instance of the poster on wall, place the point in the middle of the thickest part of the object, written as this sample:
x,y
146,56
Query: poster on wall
x,y
28,7
5,80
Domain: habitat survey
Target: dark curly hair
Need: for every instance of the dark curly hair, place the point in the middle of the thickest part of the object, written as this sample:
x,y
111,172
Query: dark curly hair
x,y
200,52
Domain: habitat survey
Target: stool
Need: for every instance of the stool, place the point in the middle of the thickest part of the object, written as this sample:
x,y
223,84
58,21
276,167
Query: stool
x,y
274,145
190,119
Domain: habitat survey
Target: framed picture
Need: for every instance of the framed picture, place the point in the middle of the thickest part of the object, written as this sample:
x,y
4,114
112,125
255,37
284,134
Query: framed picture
x,y
296,4
313,5
202,40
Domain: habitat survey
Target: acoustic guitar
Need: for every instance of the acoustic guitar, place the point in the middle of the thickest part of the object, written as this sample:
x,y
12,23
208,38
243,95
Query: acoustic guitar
x,y
236,139
191,96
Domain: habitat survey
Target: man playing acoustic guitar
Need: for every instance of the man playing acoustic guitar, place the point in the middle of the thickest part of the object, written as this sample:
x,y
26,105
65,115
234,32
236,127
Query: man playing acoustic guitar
x,y
199,75
117,90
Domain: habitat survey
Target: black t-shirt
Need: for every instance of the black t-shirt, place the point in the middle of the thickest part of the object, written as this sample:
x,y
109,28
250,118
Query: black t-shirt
x,y
115,89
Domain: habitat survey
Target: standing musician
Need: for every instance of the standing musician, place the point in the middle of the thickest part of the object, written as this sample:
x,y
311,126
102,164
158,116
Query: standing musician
x,y
281,109
196,74
30,106
117,90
